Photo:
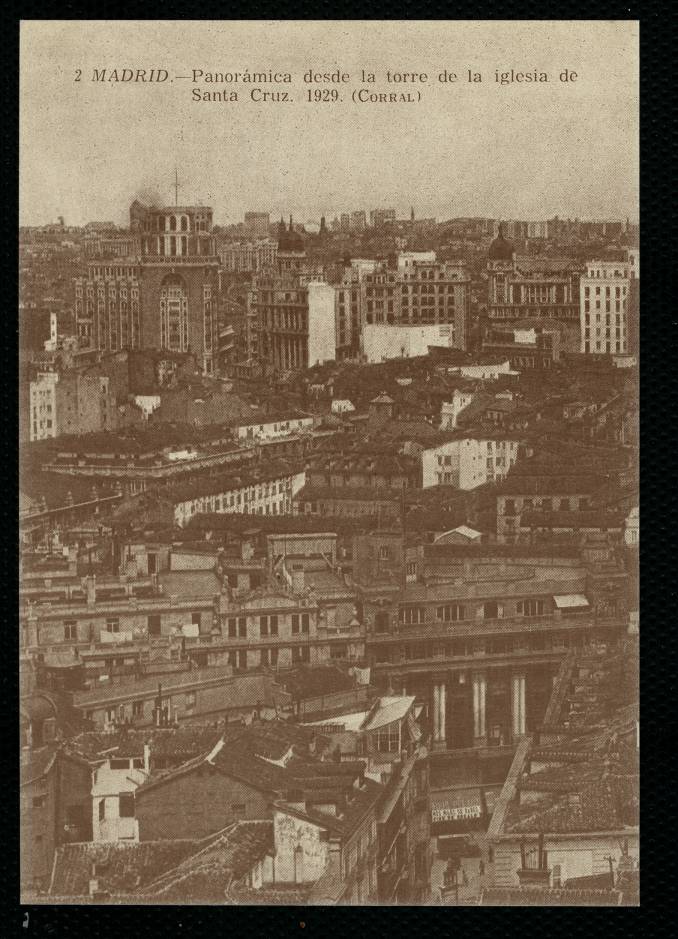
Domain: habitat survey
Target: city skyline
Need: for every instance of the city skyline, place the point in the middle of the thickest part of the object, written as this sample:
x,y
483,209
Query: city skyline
x,y
494,151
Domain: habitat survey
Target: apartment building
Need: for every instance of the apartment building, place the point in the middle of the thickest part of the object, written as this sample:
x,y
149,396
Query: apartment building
x,y
604,307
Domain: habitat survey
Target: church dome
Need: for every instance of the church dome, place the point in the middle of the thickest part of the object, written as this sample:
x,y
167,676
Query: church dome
x,y
501,249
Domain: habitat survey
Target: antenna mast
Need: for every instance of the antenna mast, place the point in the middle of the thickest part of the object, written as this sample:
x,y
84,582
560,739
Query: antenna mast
x,y
176,186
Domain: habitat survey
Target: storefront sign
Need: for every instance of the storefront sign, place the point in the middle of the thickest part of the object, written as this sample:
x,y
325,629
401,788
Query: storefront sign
x,y
456,813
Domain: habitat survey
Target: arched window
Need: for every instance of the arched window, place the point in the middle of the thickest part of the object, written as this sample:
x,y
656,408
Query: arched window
x,y
174,314
173,223
184,223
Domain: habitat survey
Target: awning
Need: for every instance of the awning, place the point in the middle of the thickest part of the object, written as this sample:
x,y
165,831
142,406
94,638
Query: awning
x,y
456,805
569,601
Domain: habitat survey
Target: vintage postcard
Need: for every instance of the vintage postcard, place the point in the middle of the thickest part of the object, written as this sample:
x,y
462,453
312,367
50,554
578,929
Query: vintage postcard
x,y
328,391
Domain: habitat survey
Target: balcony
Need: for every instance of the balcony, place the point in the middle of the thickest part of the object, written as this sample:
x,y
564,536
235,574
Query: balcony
x,y
474,628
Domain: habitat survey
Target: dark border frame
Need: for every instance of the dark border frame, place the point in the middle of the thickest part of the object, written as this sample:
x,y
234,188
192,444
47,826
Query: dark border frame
x,y
658,635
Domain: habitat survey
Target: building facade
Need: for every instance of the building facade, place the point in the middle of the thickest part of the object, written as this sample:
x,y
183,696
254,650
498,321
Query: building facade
x,y
605,295
163,294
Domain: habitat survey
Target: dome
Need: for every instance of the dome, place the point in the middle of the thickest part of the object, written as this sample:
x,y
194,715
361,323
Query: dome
x,y
501,249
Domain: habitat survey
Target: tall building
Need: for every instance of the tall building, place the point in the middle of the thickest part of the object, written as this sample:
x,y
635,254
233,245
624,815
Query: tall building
x,y
296,324
381,217
604,292
419,291
162,294
358,221
243,257
533,291
256,224
71,402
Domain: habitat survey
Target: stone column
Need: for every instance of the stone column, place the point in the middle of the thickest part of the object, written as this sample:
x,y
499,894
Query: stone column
x,y
436,713
479,693
518,704
442,698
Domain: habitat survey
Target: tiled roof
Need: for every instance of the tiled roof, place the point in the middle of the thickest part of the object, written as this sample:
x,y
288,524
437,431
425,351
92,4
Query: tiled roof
x,y
205,875
604,805
176,742
120,866
167,871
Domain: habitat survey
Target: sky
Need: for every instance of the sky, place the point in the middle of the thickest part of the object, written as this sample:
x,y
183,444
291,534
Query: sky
x,y
524,151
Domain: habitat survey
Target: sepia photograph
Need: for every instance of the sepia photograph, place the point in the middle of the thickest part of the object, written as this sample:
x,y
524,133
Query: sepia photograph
x,y
329,488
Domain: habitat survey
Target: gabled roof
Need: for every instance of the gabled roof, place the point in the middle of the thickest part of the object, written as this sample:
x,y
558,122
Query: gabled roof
x,y
169,871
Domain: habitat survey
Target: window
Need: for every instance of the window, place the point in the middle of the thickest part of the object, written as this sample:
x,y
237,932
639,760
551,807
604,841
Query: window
x,y
491,610
119,764
509,507
388,739
530,607
154,624
384,552
412,615
137,708
113,625
263,625
273,624
70,629
195,619
305,622
232,627
39,802
126,804
102,809
295,622
238,809
242,659
274,656
191,698
450,612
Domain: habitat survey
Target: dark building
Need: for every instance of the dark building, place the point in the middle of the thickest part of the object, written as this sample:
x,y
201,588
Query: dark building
x,y
162,293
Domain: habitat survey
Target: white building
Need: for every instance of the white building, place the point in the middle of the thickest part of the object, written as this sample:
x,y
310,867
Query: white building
x,y
382,341
43,406
262,497
468,462
113,786
632,527
488,371
603,311
262,429
450,410
408,259
321,324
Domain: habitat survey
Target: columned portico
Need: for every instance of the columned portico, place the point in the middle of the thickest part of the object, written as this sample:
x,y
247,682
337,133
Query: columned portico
x,y
518,704
479,698
439,712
